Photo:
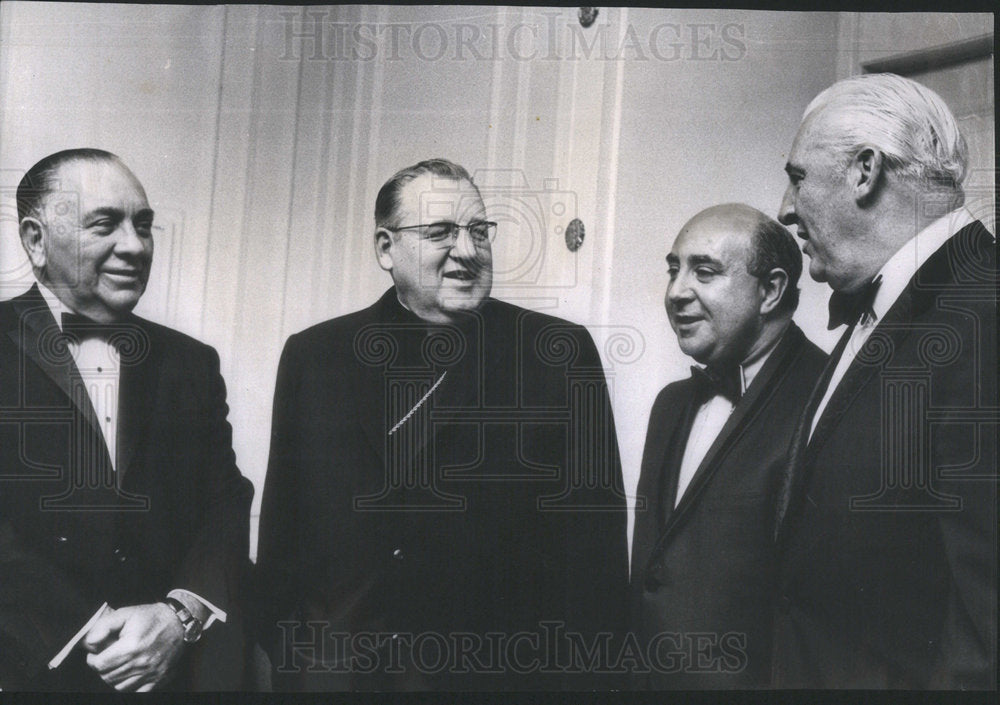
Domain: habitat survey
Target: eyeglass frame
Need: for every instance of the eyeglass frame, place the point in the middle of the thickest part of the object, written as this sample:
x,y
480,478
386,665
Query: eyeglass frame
x,y
453,231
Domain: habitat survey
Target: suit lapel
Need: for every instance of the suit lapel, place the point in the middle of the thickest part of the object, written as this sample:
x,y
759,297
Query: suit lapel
x,y
672,465
888,334
941,269
748,407
655,471
948,267
665,435
38,337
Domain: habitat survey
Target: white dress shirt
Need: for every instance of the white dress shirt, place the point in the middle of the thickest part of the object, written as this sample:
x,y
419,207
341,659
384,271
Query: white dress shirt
x,y
99,365
709,420
896,275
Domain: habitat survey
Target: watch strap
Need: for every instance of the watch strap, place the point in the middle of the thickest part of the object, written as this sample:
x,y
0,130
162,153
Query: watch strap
x,y
192,625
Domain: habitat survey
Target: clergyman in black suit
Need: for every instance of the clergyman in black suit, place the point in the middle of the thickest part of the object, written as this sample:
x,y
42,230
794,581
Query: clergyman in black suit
x,y
887,526
124,521
703,564
443,506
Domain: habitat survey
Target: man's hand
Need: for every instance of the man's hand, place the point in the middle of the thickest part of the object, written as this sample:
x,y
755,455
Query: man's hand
x,y
135,648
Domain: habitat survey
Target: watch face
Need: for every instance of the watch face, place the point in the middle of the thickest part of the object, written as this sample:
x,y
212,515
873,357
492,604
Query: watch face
x,y
192,631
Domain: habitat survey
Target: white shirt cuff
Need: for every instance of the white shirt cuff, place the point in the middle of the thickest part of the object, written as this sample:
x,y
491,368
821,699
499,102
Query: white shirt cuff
x,y
214,613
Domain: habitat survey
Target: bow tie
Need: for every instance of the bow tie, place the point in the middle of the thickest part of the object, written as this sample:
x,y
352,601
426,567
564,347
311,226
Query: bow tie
x,y
82,328
726,383
849,308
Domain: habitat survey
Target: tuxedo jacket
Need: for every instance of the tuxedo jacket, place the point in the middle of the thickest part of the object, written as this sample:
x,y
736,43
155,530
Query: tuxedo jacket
x,y
75,533
888,545
495,506
703,572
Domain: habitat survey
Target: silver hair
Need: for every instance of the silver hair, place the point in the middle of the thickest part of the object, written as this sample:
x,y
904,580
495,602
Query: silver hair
x,y
909,123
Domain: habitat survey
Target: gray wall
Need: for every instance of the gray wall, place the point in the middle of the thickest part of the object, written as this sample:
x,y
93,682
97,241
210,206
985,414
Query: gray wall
x,y
262,151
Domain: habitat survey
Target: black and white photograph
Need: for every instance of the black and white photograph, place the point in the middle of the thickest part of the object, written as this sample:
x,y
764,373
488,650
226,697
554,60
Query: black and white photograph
x,y
469,349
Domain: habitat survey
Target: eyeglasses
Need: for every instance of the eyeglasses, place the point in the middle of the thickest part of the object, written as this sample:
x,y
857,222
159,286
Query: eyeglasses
x,y
445,233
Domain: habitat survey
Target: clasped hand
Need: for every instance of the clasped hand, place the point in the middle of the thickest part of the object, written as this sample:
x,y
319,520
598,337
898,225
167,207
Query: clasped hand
x,y
135,648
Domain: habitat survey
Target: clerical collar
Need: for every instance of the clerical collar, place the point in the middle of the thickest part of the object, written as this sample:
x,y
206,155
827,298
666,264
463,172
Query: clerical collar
x,y
402,305
400,311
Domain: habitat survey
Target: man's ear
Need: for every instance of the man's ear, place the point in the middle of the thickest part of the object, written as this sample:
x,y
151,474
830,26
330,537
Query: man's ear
x,y
864,174
383,248
772,286
33,240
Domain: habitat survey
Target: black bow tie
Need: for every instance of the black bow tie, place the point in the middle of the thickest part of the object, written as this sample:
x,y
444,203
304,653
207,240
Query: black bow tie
x,y
849,308
82,328
726,383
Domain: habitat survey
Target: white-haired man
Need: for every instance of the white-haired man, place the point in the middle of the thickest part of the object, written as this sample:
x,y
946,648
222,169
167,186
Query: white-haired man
x,y
886,523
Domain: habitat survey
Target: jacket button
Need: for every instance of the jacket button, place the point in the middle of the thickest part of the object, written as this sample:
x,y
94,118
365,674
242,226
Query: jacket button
x,y
120,555
784,604
61,539
398,554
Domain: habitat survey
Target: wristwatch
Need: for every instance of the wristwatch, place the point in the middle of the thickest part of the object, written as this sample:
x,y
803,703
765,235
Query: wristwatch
x,y
192,625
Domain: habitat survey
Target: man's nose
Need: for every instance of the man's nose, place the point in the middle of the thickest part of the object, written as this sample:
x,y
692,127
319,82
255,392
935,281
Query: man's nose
x,y
678,290
786,214
128,242
465,248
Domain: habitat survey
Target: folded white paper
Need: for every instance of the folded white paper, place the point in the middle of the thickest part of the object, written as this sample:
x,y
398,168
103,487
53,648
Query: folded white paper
x,y
61,656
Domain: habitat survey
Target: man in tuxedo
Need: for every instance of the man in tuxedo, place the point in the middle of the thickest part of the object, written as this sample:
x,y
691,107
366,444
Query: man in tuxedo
x,y
124,522
886,525
443,506
702,552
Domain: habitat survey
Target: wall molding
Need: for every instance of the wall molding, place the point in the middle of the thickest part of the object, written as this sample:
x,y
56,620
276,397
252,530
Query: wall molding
x,y
936,57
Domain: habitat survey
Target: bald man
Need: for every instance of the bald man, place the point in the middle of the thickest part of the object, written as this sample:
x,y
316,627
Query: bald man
x,y
702,554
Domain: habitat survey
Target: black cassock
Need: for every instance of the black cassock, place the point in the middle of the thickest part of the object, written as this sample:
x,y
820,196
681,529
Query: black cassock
x,y
444,505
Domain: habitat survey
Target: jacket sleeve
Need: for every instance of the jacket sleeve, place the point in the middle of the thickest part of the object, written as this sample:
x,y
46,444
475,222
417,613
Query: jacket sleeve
x,y
216,562
969,636
964,460
596,541
280,547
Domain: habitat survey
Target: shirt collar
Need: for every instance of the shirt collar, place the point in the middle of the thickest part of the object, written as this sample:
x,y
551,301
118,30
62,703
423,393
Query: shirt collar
x,y
749,370
899,270
56,306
